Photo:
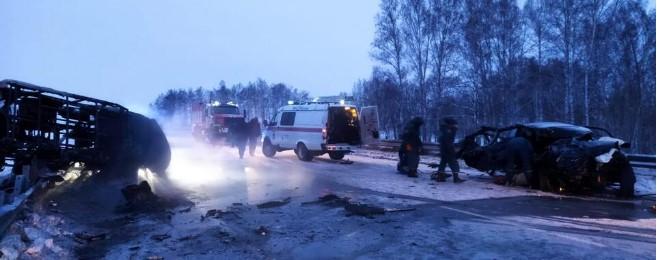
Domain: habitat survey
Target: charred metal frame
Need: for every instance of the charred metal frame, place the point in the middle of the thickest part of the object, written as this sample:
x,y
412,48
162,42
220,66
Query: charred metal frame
x,y
53,122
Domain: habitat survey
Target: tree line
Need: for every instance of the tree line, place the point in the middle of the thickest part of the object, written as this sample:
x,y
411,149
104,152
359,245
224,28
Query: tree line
x,y
493,62
258,99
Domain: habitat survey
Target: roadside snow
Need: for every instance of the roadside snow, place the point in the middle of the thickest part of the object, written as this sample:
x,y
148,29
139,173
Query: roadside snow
x,y
645,182
370,172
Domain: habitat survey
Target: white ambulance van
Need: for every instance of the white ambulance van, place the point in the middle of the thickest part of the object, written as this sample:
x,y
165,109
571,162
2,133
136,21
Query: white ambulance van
x,y
315,128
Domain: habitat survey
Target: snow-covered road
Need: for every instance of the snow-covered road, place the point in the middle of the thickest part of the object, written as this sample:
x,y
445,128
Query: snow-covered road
x,y
472,220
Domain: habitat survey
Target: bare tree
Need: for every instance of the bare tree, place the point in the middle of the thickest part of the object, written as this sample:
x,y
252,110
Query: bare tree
x,y
417,37
447,18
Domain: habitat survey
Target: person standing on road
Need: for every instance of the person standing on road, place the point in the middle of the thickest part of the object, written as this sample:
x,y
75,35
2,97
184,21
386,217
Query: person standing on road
x,y
410,148
448,157
254,135
240,134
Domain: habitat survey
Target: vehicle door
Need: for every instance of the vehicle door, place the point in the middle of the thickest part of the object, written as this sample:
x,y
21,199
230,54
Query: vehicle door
x,y
271,128
286,126
369,124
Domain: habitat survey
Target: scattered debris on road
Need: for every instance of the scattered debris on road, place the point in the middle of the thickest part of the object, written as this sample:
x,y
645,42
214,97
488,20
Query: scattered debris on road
x,y
274,203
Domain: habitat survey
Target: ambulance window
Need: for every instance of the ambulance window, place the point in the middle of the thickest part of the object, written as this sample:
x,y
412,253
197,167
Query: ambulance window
x,y
287,118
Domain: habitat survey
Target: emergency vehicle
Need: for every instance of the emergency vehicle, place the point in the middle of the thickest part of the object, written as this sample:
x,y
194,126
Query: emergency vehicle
x,y
315,128
212,122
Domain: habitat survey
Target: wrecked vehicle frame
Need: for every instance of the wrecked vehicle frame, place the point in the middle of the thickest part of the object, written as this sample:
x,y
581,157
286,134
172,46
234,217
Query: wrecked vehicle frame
x,y
554,156
51,130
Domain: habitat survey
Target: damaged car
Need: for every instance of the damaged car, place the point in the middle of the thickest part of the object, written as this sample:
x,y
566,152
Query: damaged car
x,y
552,156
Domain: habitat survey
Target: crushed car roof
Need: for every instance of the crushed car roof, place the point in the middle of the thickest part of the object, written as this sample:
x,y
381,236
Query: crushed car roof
x,y
558,126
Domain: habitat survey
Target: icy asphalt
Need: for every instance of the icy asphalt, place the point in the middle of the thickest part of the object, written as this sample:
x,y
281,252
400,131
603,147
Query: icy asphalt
x,y
472,220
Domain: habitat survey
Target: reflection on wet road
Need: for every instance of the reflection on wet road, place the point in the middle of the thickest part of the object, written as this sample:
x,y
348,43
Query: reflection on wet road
x,y
218,175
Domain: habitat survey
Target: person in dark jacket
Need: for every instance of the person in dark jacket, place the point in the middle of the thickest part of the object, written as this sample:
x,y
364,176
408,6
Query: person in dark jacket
x,y
240,135
448,156
254,135
410,148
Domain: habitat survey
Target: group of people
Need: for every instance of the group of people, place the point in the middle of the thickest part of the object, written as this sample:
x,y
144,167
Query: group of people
x,y
411,148
243,133
248,133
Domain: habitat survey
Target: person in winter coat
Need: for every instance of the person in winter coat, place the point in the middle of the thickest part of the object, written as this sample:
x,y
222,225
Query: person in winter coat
x,y
240,135
254,135
411,146
448,156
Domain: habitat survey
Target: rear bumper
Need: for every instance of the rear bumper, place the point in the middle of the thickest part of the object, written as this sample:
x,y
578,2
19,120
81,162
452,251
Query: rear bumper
x,y
339,147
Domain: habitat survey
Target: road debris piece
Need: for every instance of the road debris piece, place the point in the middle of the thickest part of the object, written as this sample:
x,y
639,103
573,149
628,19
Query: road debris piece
x,y
364,210
330,200
188,237
262,230
274,204
136,194
160,237
140,199
85,237
217,213
346,162
399,210
433,165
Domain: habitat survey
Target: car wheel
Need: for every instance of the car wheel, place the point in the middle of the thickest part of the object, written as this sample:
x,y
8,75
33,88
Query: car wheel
x,y
336,155
268,149
303,153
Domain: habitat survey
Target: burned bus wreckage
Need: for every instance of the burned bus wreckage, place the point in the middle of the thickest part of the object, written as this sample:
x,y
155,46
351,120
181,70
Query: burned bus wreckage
x,y
551,156
50,130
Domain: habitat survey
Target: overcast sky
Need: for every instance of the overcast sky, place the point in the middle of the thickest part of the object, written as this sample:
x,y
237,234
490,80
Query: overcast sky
x,y
129,51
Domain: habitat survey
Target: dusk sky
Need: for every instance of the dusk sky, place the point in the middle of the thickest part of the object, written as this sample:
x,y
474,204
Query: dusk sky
x,y
130,51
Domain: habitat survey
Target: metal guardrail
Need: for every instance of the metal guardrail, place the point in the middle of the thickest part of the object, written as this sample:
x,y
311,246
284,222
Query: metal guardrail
x,y
636,160
642,160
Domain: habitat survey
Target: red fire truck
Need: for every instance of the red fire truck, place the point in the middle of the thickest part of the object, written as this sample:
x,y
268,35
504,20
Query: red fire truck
x,y
212,122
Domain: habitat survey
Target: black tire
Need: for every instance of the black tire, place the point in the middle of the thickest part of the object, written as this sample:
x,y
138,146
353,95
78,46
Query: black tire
x,y
268,149
303,153
627,180
336,155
